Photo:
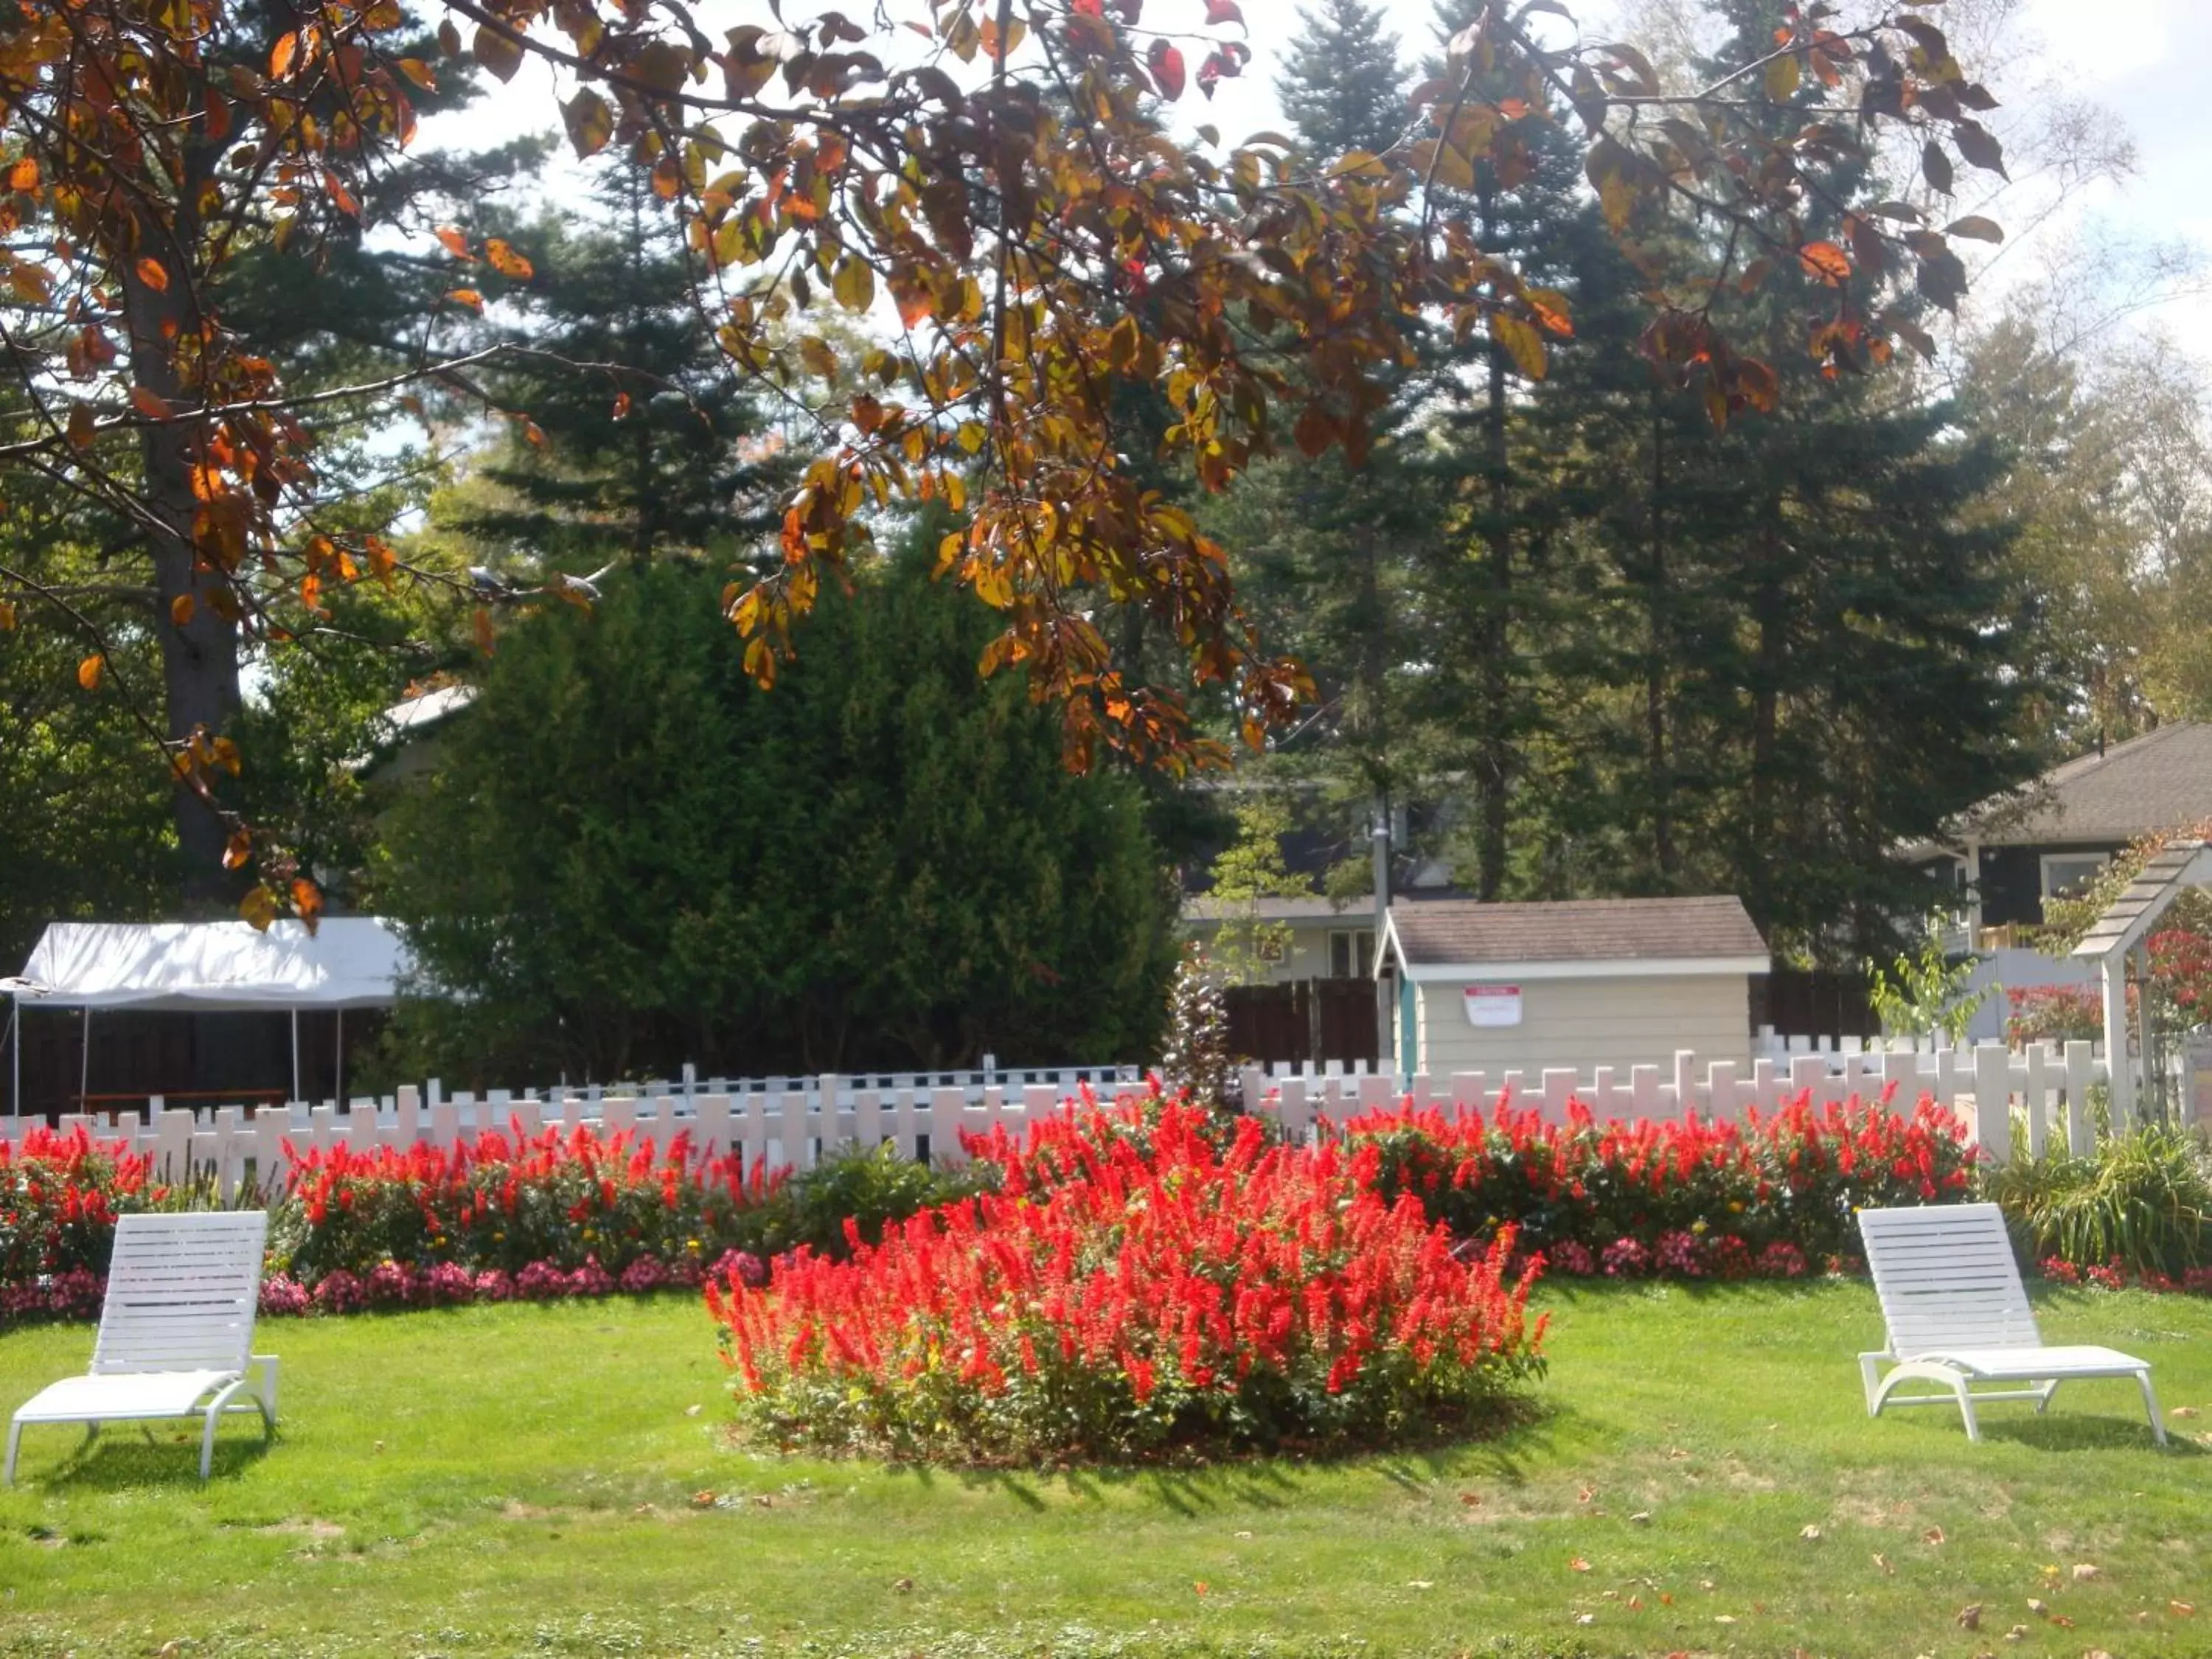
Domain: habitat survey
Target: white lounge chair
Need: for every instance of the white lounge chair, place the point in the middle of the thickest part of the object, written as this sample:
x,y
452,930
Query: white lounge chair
x,y
1958,1316
176,1334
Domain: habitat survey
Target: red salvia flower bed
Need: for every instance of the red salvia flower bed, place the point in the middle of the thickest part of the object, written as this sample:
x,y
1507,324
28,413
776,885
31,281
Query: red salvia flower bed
x,y
506,1201
1160,1295
1585,1191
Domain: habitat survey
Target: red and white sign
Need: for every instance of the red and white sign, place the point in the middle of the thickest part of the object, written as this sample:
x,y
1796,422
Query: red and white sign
x,y
1493,1005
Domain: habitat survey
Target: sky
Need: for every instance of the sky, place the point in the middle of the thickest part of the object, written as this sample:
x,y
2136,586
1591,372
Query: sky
x,y
2142,60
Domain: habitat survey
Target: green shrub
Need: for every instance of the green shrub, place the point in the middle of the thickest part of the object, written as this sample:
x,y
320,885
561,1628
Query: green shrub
x,y
871,1188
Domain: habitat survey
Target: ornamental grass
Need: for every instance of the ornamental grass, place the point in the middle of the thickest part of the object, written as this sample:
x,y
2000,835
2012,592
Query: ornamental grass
x,y
1180,1291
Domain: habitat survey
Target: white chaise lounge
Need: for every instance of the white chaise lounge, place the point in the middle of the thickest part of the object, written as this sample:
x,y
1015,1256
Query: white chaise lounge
x,y
176,1334
1959,1317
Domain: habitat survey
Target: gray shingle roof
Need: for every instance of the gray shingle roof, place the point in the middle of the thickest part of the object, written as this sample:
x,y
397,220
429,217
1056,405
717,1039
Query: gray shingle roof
x,y
1440,930
2160,781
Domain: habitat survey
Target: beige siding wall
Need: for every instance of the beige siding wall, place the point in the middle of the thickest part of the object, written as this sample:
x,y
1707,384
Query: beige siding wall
x,y
1308,956
1585,1023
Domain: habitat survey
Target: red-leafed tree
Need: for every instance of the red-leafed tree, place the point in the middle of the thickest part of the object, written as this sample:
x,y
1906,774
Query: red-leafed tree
x,y
992,172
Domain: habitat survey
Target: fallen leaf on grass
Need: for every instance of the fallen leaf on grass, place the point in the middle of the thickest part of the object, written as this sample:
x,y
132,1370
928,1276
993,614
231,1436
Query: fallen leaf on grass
x,y
1411,1583
702,1500
1243,1535
903,1585
2181,1609
1588,1494
693,1410
2017,1633
2084,1571
1705,1584
1636,1604
1724,1619
1933,1535
1585,1619
1472,1499
2036,1604
1579,1564
1200,1586
1641,1518
2182,1411
1811,1533
2061,1621
1882,1561
1970,1618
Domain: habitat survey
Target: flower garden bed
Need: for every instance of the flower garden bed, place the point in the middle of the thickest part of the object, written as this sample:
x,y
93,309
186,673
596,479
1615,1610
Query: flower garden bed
x,y
1140,1283
562,1214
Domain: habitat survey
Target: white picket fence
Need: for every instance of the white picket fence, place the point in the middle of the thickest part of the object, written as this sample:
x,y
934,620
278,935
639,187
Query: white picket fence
x,y
794,1124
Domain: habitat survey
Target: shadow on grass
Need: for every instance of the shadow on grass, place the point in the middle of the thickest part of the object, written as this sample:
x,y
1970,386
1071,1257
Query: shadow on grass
x,y
126,1456
1525,1438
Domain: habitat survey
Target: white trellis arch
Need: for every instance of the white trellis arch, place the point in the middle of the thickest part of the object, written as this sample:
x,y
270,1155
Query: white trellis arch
x,y
2182,866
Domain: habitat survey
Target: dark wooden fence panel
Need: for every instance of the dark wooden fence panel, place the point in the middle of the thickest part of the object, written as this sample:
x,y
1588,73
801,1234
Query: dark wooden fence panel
x,y
1813,1002
1312,1019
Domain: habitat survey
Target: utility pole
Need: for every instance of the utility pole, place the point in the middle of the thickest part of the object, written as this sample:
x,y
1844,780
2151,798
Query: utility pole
x,y
1378,836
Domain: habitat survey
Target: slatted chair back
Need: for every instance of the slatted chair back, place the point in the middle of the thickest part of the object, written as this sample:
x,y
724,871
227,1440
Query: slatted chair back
x,y
1947,1278
182,1292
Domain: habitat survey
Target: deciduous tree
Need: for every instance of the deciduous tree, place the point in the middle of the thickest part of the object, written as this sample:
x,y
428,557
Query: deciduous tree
x,y
826,161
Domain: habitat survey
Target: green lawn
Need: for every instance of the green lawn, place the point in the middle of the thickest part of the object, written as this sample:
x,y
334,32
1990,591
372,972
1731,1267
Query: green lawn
x,y
522,1480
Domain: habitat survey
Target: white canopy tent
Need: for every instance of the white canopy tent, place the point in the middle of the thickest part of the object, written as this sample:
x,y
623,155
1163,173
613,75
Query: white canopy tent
x,y
348,961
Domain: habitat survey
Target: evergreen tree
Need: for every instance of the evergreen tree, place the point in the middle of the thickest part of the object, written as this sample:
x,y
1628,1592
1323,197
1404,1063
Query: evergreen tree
x,y
651,449
1501,567
1830,634
1343,84
629,856
1328,550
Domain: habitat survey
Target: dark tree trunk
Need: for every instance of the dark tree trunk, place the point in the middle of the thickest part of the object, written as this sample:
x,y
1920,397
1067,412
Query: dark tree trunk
x,y
1494,758
199,655
1658,648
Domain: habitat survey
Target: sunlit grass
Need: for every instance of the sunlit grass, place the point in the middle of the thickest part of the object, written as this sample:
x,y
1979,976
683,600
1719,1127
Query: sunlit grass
x,y
558,1479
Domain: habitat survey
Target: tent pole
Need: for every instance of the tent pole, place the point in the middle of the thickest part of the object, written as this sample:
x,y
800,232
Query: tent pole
x,y
84,1063
337,1086
296,1095
15,1055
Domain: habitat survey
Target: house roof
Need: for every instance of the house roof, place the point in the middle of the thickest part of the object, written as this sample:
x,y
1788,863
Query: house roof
x,y
1447,939
2160,781
1207,909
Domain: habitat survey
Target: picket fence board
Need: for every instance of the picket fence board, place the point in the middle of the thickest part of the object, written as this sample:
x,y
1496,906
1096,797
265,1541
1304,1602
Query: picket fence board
x,y
794,1122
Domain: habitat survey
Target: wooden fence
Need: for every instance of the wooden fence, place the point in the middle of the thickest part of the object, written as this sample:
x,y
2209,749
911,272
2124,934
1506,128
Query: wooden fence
x,y
2046,1088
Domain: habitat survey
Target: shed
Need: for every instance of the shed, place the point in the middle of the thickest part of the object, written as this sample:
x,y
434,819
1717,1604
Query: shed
x,y
1579,983
347,963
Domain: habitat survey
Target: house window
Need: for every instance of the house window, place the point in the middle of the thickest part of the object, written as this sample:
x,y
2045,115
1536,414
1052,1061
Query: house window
x,y
1351,953
2065,872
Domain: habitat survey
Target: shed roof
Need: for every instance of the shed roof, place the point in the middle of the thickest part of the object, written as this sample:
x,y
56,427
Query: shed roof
x,y
2160,781
1440,938
1302,907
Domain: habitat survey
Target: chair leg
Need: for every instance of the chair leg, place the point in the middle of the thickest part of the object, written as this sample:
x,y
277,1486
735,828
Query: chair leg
x,y
207,1441
2150,1405
1867,1376
15,1439
1967,1409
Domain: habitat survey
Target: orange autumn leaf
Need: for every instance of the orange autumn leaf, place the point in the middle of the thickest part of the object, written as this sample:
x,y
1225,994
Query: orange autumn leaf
x,y
89,671
1826,261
